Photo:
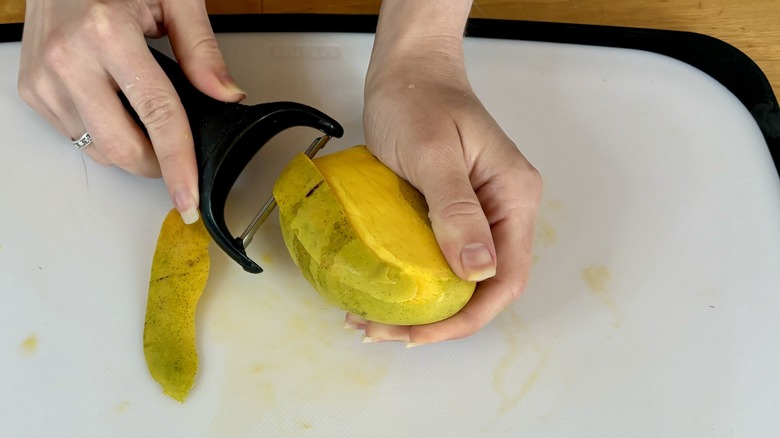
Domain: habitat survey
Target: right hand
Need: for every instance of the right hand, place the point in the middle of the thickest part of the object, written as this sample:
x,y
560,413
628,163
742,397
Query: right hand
x,y
77,54
422,119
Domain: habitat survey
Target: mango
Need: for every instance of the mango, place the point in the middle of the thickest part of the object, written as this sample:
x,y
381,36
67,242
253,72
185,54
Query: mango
x,y
180,270
361,236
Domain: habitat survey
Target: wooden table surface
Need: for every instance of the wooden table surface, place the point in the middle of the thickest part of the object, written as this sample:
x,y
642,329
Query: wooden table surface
x,y
753,26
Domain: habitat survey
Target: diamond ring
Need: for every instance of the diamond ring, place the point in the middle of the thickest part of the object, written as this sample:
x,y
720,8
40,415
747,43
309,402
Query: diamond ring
x,y
83,141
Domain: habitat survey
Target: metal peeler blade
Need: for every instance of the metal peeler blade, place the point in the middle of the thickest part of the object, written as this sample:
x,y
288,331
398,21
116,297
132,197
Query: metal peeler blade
x,y
227,136
270,204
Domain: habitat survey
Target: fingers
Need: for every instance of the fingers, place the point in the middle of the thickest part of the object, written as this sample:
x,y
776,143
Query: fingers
x,y
354,322
510,198
67,88
71,71
196,49
69,122
513,246
116,136
87,101
29,94
491,296
154,99
457,218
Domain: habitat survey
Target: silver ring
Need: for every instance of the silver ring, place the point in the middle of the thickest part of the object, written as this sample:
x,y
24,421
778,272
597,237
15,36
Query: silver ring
x,y
83,141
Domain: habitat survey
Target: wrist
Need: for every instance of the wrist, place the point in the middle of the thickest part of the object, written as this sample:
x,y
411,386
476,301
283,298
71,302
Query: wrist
x,y
400,19
419,38
419,27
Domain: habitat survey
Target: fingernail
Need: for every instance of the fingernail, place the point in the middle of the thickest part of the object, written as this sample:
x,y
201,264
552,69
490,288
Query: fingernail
x,y
386,337
230,84
353,325
354,322
236,90
477,262
185,203
414,344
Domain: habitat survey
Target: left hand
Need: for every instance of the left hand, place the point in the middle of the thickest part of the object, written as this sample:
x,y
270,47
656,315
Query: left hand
x,y
422,119
77,54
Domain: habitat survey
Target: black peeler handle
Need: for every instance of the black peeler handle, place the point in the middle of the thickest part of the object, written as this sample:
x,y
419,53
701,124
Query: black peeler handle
x,y
226,137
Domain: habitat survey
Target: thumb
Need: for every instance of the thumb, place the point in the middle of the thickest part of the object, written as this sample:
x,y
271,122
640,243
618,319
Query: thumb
x,y
457,219
197,51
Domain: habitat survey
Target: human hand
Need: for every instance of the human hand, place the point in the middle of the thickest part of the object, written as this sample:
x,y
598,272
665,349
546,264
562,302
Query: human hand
x,y
422,119
77,54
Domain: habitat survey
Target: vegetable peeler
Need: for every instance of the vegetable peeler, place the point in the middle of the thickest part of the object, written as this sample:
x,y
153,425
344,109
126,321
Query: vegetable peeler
x,y
227,136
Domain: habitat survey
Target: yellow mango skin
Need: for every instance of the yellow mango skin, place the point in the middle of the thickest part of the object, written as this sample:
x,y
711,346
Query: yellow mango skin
x,y
180,269
361,237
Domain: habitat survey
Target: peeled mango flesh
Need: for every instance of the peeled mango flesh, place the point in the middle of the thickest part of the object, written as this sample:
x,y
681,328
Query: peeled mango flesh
x,y
361,236
180,269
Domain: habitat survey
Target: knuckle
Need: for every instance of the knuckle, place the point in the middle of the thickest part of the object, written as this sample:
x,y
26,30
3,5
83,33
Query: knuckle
x,y
102,21
534,176
168,155
509,287
26,92
156,110
34,88
98,158
120,153
56,53
470,324
455,209
513,292
532,179
205,43
522,177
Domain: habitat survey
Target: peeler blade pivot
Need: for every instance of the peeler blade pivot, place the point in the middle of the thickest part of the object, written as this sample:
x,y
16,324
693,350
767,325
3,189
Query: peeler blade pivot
x,y
270,204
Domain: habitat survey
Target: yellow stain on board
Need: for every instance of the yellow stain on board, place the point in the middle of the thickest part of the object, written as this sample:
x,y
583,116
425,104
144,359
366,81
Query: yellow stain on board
x,y
598,279
267,258
29,346
281,348
545,234
256,368
554,205
516,373
122,407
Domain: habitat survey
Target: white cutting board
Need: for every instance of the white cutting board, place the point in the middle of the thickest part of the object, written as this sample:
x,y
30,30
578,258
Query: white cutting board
x,y
651,311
